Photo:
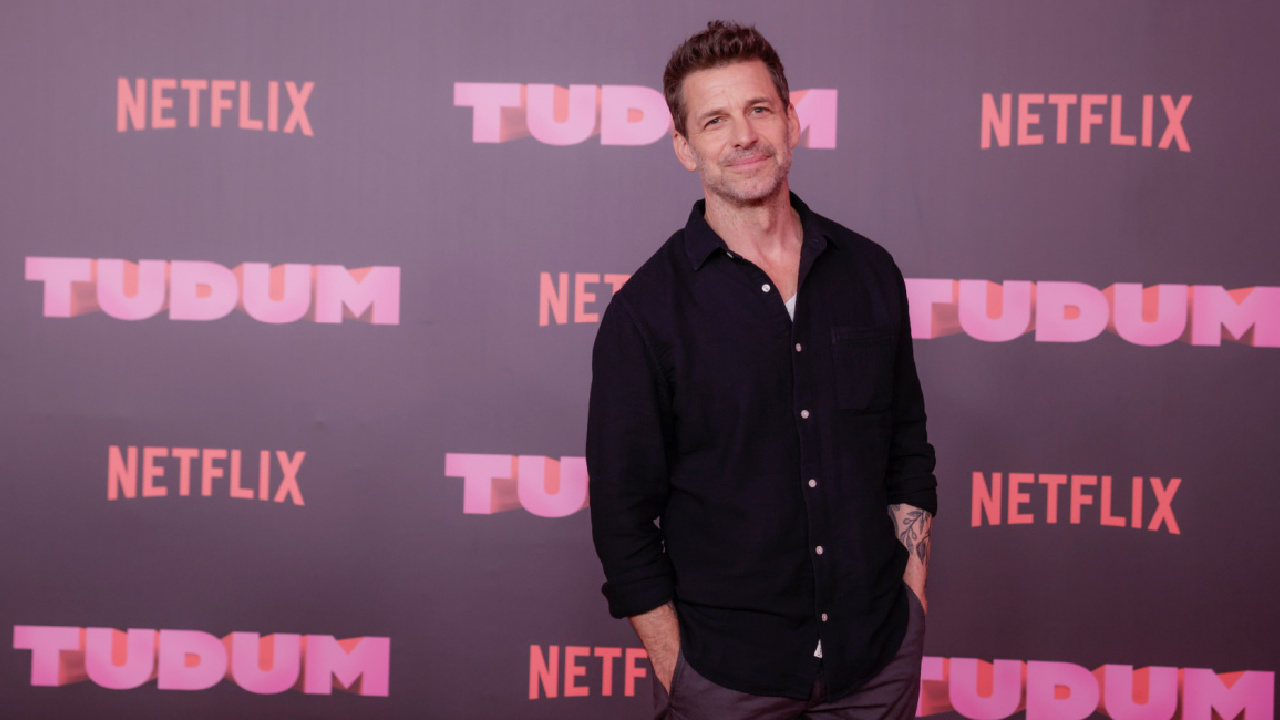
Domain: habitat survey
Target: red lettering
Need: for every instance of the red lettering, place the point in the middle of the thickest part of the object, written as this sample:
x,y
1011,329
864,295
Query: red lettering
x,y
553,301
1026,119
298,113
185,456
582,297
608,655
1078,498
573,671
632,671
193,88
289,485
122,475
1062,102
1164,503
150,471
1018,499
1053,484
986,499
1173,131
995,121
1089,118
1117,137
1107,518
131,104
544,673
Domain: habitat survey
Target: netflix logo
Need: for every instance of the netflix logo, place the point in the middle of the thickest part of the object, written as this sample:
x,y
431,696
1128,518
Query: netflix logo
x,y
1074,117
582,671
1047,498
179,471
148,104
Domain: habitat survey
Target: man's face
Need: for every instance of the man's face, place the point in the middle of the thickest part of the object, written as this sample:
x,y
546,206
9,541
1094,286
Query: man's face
x,y
738,136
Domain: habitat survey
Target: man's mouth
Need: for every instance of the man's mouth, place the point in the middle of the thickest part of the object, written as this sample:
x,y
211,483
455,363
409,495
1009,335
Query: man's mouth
x,y
748,160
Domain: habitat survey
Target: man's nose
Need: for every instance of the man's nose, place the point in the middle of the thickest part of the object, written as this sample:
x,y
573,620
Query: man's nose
x,y
744,132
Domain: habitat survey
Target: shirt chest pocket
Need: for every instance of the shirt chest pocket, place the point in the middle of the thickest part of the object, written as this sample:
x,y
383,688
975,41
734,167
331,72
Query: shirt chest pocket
x,y
863,359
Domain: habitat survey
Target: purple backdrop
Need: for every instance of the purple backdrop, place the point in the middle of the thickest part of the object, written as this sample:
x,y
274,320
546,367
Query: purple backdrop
x,y
365,245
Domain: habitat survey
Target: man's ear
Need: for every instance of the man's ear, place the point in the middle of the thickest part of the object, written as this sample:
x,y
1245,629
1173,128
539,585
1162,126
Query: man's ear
x,y
793,124
683,152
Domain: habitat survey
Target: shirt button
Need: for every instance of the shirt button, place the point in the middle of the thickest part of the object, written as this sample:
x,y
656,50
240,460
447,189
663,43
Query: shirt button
x,y
797,347
818,549
824,617
765,287
804,414
813,483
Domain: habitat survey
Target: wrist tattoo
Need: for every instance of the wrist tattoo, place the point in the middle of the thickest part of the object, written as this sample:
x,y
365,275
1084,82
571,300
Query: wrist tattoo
x,y
914,528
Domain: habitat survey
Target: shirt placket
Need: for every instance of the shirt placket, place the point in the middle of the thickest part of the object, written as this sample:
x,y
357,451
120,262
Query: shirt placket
x,y
769,294
806,409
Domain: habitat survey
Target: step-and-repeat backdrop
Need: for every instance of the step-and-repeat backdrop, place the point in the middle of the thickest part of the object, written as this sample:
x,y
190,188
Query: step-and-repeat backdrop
x,y
300,296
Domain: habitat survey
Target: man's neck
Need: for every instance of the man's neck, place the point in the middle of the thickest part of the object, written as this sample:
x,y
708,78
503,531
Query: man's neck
x,y
759,230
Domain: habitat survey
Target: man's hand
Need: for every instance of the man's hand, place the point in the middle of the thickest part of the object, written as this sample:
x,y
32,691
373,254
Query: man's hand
x,y
660,633
914,528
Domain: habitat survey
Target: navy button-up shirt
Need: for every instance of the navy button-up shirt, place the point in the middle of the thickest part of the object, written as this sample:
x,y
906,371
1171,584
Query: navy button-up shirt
x,y
742,463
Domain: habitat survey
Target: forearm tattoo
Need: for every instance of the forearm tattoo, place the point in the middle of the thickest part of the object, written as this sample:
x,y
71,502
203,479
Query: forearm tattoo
x,y
914,527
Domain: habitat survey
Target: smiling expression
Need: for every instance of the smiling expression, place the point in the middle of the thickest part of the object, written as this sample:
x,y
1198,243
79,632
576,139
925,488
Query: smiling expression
x,y
738,133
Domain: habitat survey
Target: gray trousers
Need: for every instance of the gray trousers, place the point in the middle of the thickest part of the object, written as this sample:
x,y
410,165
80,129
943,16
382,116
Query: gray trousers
x,y
890,695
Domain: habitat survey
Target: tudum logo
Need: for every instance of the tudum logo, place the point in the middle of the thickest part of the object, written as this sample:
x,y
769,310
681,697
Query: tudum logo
x,y
195,660
197,290
619,114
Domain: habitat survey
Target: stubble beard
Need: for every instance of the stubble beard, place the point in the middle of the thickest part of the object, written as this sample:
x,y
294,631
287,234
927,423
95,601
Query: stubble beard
x,y
749,190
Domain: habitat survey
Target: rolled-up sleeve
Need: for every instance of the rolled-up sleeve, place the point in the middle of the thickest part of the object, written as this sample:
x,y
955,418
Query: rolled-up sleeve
x,y
629,425
909,479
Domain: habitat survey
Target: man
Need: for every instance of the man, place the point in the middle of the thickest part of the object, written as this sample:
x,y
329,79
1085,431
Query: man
x,y
762,487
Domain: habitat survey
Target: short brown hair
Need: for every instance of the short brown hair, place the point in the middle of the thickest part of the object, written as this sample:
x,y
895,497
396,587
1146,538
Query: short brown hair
x,y
722,43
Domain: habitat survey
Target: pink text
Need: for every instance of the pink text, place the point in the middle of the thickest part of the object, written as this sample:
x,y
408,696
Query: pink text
x,y
195,660
619,114
196,290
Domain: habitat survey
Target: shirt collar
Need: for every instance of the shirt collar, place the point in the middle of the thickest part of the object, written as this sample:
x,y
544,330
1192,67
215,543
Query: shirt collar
x,y
701,242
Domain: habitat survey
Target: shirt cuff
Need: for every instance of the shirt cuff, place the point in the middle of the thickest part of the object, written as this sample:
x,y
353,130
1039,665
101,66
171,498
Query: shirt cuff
x,y
926,500
638,596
